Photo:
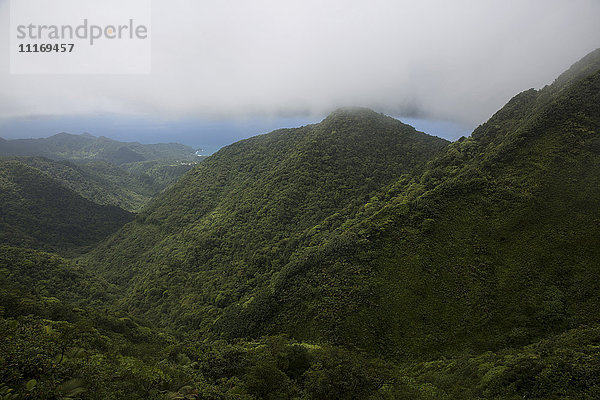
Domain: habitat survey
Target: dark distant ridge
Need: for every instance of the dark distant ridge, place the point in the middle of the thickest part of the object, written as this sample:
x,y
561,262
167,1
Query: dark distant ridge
x,y
38,211
85,147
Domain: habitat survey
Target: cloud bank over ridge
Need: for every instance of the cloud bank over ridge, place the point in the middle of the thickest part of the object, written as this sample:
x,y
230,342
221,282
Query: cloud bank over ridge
x,y
427,59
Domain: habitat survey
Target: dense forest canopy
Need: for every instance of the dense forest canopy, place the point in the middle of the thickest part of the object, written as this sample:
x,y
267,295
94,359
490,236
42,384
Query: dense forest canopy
x,y
356,258
85,147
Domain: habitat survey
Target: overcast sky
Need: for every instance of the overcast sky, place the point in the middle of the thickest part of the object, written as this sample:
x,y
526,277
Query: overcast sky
x,y
437,60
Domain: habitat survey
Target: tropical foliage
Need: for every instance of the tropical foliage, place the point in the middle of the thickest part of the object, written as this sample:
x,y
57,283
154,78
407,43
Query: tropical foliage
x,y
352,259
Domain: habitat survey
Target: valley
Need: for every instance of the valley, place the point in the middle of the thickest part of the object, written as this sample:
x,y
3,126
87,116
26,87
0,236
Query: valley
x,y
355,258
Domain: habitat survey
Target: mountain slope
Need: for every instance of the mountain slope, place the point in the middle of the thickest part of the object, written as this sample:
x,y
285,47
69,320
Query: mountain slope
x,y
85,147
98,181
494,245
38,211
475,275
221,233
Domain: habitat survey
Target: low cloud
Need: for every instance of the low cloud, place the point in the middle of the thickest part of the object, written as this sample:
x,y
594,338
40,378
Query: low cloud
x,y
456,61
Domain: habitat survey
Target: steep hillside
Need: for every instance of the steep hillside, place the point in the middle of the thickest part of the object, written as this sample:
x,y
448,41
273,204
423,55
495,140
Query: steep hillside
x,y
160,173
491,245
33,282
223,231
98,181
494,245
38,211
351,259
85,147
61,340
108,184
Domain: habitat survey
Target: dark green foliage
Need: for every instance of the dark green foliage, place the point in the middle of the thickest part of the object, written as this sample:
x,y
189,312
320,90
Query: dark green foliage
x,y
337,233
491,244
98,181
60,206
76,321
562,367
85,147
352,259
203,253
160,173
60,340
38,211
128,186
34,282
494,245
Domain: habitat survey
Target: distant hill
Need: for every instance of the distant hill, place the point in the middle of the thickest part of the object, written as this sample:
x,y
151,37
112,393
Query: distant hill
x,y
39,211
103,170
81,190
85,147
158,173
108,184
98,181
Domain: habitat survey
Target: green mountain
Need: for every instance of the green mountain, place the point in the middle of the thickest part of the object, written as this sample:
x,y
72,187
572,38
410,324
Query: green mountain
x,y
351,259
310,232
492,246
219,236
103,170
108,184
98,181
61,339
39,211
159,173
85,147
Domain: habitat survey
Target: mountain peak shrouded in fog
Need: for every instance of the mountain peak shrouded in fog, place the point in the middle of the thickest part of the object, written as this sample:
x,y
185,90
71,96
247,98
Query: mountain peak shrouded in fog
x,y
428,59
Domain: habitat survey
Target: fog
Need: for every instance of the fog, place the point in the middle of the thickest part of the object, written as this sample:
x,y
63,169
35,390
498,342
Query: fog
x,y
436,60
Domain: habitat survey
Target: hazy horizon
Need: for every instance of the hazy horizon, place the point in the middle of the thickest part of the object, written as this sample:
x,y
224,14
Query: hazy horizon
x,y
228,70
209,135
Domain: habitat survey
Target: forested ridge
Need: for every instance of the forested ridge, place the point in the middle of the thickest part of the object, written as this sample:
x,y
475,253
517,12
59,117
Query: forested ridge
x,y
227,227
38,211
355,258
86,147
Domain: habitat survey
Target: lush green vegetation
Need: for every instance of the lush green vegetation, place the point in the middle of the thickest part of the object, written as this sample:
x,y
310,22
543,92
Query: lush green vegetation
x,y
98,181
38,211
66,207
62,340
160,173
86,147
224,230
310,232
105,171
352,259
